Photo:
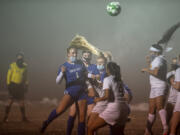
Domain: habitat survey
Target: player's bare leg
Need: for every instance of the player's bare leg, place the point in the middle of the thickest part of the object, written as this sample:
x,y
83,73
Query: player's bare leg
x,y
89,110
91,120
99,122
71,119
81,110
65,102
151,116
174,122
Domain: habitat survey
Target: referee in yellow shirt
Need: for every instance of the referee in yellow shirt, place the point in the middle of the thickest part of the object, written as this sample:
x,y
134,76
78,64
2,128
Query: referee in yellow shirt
x,y
17,85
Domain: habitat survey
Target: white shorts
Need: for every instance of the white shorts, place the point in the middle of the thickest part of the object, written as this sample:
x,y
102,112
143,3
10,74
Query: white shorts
x,y
177,105
115,113
100,107
157,91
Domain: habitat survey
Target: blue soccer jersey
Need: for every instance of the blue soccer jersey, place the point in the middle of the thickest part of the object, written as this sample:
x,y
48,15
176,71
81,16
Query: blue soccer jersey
x,y
92,69
75,76
102,75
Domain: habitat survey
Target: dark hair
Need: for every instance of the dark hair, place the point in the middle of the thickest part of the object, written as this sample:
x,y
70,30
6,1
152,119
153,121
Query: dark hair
x,y
157,46
86,51
71,47
115,70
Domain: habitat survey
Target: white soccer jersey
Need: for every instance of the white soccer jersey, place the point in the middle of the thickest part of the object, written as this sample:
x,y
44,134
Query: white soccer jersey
x,y
173,92
177,79
110,84
118,106
158,62
158,84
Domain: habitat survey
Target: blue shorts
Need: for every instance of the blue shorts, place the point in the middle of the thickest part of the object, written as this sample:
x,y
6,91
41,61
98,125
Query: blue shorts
x,y
90,100
76,92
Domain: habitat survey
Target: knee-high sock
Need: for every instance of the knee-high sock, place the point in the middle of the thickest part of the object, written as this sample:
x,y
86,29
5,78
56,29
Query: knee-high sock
x,y
163,114
81,128
70,125
53,115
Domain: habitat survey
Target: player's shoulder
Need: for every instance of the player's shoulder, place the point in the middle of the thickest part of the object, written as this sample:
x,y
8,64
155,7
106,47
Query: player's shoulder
x,y
93,66
178,71
108,78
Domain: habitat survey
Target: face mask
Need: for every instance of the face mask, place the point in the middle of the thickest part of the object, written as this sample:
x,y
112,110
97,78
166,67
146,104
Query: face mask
x,y
20,62
72,59
152,57
86,59
100,67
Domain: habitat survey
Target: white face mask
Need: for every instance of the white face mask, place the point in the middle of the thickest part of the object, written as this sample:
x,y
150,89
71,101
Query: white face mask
x,y
72,59
100,67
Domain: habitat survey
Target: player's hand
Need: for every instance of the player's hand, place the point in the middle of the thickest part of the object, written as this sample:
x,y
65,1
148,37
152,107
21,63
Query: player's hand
x,y
97,77
148,59
63,69
93,76
144,70
96,100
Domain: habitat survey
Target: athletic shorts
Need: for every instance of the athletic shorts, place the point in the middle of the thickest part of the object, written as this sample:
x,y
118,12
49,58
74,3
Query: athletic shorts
x,y
76,92
157,91
115,113
100,107
177,105
16,91
90,100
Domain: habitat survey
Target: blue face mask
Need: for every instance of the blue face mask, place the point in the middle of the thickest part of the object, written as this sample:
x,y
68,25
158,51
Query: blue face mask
x,y
152,57
100,67
72,59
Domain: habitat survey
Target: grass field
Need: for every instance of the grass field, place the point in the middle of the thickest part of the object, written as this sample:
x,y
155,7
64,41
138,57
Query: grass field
x,y
37,112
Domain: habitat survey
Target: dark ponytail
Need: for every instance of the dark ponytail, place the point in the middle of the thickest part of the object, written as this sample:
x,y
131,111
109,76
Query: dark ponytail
x,y
115,70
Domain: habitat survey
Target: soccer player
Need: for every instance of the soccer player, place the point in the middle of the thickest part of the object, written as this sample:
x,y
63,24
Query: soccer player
x,y
117,108
157,70
75,76
100,106
175,121
17,85
93,74
173,92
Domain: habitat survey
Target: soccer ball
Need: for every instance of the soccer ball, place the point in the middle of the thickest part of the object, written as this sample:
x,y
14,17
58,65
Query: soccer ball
x,y
113,8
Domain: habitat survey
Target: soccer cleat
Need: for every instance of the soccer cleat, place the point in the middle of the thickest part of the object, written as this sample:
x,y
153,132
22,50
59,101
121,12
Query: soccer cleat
x,y
165,131
44,126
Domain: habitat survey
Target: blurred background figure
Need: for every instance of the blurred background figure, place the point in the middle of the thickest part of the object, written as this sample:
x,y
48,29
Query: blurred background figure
x,y
157,70
175,121
172,98
17,85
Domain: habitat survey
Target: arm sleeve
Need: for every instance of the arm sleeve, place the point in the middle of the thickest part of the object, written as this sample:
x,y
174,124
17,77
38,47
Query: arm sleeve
x,y
9,73
177,75
106,84
96,71
59,77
